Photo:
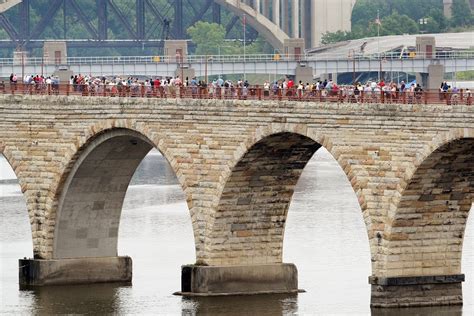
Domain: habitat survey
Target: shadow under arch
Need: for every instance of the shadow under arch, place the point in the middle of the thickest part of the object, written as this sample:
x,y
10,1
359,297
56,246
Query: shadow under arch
x,y
427,229
94,188
250,218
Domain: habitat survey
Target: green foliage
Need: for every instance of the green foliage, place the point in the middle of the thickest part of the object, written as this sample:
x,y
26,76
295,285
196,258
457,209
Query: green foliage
x,y
465,75
461,13
334,37
396,24
402,17
366,10
436,15
207,37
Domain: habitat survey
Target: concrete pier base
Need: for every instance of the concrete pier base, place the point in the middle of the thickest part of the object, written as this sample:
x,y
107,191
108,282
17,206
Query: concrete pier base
x,y
416,291
238,280
36,272
303,74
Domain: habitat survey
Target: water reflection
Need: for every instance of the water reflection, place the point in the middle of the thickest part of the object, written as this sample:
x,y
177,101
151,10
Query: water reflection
x,y
97,299
420,311
241,305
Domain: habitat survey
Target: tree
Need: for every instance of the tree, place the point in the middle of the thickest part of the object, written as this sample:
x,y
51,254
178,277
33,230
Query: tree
x,y
461,13
438,16
396,24
334,37
207,37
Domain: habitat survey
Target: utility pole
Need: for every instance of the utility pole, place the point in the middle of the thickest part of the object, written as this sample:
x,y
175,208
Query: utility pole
x,y
245,31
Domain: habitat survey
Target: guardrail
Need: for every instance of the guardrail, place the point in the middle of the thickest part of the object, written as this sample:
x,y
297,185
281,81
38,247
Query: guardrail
x,y
342,95
202,59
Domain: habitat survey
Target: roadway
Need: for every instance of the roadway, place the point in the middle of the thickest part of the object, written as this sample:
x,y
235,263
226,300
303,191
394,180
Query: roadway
x,y
250,64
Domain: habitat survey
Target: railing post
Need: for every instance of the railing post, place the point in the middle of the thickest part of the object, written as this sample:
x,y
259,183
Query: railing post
x,y
279,94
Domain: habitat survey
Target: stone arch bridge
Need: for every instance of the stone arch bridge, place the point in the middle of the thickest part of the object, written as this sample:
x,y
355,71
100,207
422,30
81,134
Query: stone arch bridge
x,y
411,167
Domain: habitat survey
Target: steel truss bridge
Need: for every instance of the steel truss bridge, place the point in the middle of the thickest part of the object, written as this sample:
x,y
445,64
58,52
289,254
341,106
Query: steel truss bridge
x,y
249,64
147,23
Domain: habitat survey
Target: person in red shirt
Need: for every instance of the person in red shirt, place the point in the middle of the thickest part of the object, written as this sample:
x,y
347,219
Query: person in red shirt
x,y
291,84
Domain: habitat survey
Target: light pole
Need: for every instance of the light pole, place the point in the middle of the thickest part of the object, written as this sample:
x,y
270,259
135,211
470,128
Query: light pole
x,y
352,54
22,63
382,59
205,68
245,29
378,22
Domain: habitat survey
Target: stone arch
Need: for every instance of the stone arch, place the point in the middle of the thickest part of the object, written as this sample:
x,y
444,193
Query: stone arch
x,y
425,229
249,221
92,190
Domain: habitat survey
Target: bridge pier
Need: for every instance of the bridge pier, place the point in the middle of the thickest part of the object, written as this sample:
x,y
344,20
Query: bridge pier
x,y
304,74
39,272
414,291
238,280
432,79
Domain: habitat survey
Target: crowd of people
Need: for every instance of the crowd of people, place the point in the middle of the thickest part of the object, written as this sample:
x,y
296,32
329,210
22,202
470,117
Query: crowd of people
x,y
370,92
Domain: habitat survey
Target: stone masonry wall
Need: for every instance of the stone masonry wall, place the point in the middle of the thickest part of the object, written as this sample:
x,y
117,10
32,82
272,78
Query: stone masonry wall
x,y
379,147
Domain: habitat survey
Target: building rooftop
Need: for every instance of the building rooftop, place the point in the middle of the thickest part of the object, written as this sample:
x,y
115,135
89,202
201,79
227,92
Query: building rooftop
x,y
372,45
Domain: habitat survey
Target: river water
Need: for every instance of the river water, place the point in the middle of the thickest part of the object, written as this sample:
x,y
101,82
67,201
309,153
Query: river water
x,y
325,237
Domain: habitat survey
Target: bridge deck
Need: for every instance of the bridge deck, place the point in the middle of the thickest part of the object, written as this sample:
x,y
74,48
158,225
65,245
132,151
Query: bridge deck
x,y
343,95
238,64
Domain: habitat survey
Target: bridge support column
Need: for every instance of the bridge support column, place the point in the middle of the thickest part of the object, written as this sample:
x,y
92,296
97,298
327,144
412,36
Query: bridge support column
x,y
276,12
304,74
266,8
314,26
256,6
306,22
238,280
412,291
285,16
295,19
432,79
37,272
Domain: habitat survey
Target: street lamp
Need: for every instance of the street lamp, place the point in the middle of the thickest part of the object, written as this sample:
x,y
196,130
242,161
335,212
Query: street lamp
x,y
352,54
382,59
208,58
245,24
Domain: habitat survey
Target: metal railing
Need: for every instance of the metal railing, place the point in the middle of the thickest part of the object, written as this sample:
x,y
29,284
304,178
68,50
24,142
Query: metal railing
x,y
202,59
341,95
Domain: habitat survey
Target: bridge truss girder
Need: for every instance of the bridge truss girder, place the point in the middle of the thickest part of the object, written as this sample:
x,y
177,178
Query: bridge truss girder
x,y
141,31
